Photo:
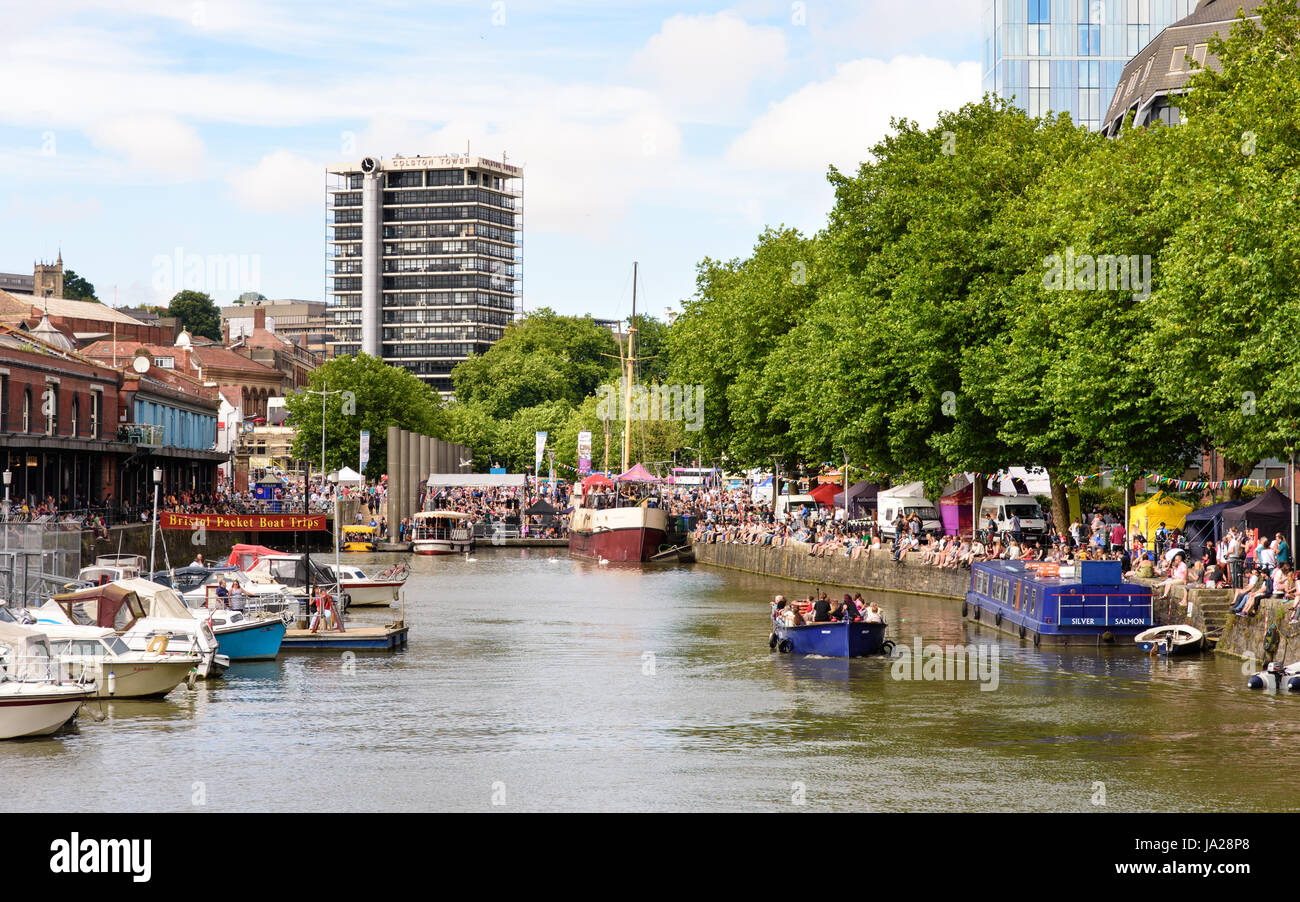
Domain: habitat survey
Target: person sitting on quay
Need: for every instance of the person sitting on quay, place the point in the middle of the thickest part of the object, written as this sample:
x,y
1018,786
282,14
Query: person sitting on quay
x,y
1244,599
1177,575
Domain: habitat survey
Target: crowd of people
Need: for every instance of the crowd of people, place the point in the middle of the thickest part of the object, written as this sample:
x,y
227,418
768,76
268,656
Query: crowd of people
x,y
820,609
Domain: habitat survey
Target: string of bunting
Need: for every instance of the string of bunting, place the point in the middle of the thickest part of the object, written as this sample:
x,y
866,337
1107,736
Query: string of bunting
x,y
1202,484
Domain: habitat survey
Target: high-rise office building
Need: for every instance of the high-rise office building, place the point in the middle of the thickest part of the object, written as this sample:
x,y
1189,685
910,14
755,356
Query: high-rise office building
x,y
1066,56
424,260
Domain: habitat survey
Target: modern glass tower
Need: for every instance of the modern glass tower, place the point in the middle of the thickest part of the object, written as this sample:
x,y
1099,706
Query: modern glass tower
x,y
424,259
1066,56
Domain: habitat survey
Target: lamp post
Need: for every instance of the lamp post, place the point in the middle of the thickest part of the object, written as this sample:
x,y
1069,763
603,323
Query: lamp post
x,y
306,487
153,529
8,478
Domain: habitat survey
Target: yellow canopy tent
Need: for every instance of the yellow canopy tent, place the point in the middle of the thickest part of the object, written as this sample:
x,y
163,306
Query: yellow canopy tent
x,y
1145,518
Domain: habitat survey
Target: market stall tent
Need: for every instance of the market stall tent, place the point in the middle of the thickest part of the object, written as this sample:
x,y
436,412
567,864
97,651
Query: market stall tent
x,y
1269,513
825,493
861,499
955,510
1204,525
1145,518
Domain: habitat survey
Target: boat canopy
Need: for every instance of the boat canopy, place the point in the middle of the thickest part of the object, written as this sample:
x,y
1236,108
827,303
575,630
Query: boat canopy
x,y
441,515
362,530
159,600
245,556
112,605
28,656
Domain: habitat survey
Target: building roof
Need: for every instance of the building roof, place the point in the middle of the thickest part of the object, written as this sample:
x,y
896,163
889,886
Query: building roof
x,y
46,332
205,356
18,303
1152,73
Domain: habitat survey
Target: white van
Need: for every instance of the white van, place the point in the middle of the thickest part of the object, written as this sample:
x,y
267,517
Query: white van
x,y
792,503
1033,525
908,500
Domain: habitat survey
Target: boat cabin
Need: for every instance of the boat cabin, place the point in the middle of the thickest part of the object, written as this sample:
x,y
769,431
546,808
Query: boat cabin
x,y
1087,602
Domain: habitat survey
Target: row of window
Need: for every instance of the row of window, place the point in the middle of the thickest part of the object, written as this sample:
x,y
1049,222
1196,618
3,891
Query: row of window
x,y
450,196
428,299
420,214
494,282
442,333
402,248
40,411
446,264
450,230
404,349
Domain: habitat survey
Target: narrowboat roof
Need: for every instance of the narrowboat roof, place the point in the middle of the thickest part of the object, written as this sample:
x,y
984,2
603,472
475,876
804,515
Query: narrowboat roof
x,y
1095,573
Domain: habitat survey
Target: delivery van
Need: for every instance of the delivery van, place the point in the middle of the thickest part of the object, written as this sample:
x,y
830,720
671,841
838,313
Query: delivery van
x,y
1002,508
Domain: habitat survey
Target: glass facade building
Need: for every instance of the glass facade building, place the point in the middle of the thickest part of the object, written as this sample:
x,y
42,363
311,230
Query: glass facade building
x,y
1066,56
424,259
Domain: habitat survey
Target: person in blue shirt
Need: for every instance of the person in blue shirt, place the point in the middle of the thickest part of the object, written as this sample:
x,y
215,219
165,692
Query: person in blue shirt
x,y
1282,550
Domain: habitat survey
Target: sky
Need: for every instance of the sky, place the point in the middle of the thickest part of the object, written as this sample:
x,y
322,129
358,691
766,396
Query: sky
x,y
139,133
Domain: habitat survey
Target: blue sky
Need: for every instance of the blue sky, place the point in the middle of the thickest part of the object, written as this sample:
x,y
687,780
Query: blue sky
x,y
660,132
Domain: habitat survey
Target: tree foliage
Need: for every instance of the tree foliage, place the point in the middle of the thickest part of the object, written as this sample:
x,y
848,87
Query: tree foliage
x,y
197,312
77,287
375,396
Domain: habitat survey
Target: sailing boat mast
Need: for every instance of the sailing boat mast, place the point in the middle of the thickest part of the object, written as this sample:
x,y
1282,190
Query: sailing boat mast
x,y
628,370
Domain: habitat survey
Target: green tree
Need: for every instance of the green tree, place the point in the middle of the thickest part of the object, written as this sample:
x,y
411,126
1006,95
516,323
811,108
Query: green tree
x,y
377,396
77,288
542,357
197,313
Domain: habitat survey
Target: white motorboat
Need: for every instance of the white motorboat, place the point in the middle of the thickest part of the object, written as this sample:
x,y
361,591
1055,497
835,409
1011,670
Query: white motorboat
x,y
112,567
442,532
147,616
34,701
381,589
98,656
1170,639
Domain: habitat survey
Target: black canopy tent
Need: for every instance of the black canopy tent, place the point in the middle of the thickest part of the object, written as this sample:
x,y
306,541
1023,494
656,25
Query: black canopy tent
x,y
1205,525
543,510
862,498
1270,513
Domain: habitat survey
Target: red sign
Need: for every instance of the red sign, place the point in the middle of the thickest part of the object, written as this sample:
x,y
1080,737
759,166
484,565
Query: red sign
x,y
244,522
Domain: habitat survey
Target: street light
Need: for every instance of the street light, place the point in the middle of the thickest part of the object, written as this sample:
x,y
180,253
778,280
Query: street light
x,y
153,529
8,478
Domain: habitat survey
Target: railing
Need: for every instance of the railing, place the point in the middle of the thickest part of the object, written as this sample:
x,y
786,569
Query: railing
x,y
1086,613
145,434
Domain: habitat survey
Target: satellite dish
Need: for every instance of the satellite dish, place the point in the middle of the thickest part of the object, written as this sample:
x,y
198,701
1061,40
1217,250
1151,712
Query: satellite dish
x,y
141,364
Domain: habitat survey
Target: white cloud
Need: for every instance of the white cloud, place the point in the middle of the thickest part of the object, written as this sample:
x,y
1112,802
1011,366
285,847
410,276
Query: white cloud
x,y
839,119
155,143
280,182
705,65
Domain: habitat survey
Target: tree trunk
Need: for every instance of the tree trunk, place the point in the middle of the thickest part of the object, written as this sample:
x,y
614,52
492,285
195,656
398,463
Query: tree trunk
x,y
977,494
1232,470
1060,501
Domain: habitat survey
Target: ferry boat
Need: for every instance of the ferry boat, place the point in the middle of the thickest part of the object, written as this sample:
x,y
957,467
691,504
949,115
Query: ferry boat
x,y
359,538
1082,604
442,532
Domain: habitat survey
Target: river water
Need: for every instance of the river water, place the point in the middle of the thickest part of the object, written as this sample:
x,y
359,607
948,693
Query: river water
x,y
536,682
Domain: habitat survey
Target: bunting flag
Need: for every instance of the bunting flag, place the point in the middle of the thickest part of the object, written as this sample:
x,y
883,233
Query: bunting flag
x,y
1199,485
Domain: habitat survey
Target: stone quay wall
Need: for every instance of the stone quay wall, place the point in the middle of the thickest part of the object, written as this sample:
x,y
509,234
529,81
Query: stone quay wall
x,y
870,570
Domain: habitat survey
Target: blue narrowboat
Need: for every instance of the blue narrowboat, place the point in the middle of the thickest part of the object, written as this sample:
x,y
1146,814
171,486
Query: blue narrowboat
x,y
1086,603
835,639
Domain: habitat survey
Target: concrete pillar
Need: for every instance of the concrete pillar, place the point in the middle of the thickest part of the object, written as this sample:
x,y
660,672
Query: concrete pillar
x,y
444,458
426,463
412,473
393,455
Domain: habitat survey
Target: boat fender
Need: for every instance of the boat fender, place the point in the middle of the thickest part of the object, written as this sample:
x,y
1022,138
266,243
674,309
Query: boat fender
x,y
1108,636
964,608
997,618
1038,637
771,643
887,648
191,679
1022,631
977,612
785,646
158,645
1293,684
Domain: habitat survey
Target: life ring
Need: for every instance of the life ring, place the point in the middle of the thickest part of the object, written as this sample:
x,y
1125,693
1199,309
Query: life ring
x,y
997,619
155,641
785,646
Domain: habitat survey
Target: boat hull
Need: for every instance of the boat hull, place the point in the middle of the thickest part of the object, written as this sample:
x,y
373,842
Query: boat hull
x,y
634,544
371,593
1162,640
38,712
441,546
141,679
832,640
251,640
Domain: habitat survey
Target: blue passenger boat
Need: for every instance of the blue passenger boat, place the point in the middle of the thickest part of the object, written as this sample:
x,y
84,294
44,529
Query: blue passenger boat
x,y
1084,604
834,639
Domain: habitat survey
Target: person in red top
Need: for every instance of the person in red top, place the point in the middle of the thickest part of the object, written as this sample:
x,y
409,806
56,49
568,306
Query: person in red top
x,y
1117,537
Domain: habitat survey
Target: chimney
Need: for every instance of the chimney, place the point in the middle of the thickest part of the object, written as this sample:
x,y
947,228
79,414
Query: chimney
x,y
259,318
225,333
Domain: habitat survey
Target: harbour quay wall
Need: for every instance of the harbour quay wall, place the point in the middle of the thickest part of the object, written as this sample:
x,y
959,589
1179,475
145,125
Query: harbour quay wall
x,y
872,569
181,548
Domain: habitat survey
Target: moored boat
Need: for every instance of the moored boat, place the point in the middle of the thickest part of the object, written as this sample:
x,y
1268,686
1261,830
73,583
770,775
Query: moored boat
x,y
1086,604
442,532
1171,639
34,700
1276,676
381,589
99,657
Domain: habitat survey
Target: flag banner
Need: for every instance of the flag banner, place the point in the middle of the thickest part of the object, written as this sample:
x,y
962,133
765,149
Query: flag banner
x,y
365,449
244,522
584,452
541,446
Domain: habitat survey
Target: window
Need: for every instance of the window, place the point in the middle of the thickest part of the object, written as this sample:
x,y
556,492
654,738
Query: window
x,y
27,410
96,400
1147,70
1198,54
50,407
76,415
1176,62
1038,87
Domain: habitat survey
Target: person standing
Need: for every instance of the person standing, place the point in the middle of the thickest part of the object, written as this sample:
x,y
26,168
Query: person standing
x,y
1234,556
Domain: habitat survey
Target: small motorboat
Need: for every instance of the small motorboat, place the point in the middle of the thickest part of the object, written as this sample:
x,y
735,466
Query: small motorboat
x,y
380,589
833,639
1170,639
1275,676
98,656
34,699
